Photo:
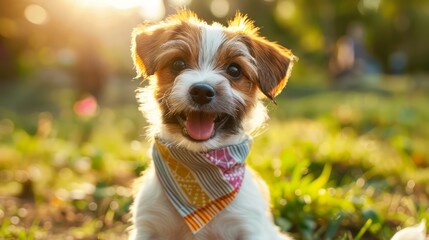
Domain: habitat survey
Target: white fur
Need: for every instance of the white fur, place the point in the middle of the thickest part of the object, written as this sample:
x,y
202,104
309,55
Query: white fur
x,y
212,38
180,100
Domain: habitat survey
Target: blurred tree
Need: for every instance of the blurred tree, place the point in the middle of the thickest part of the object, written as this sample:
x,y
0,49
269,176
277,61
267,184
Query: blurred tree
x,y
11,42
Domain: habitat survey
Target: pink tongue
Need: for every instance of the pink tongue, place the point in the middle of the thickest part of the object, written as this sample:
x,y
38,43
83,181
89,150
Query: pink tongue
x,y
200,125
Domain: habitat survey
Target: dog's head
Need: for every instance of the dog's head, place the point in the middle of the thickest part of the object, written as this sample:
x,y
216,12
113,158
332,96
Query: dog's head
x,y
206,79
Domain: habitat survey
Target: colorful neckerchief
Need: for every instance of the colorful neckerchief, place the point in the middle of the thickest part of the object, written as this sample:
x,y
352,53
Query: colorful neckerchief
x,y
200,184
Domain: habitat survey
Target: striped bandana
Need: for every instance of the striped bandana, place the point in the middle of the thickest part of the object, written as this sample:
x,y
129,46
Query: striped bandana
x,y
200,184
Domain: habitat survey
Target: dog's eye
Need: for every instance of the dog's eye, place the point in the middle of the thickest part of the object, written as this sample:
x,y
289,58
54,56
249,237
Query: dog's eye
x,y
178,65
234,71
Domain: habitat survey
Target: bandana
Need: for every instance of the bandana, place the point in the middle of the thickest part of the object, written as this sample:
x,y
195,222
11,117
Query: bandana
x,y
200,184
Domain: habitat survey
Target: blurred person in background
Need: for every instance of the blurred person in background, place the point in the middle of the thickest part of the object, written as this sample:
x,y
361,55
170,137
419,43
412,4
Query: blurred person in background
x,y
350,60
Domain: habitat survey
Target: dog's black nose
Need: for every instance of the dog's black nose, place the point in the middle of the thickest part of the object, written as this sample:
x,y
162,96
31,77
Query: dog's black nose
x,y
202,93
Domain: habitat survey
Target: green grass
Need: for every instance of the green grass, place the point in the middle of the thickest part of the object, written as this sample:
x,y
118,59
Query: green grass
x,y
341,164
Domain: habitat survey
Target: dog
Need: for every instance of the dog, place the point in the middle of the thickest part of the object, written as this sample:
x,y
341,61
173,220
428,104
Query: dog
x,y
202,103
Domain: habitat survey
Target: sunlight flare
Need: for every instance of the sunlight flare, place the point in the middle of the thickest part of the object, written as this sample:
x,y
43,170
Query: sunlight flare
x,y
152,10
36,14
119,4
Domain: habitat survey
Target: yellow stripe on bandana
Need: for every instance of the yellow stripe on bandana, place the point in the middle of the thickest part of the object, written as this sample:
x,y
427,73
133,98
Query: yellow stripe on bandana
x,y
184,177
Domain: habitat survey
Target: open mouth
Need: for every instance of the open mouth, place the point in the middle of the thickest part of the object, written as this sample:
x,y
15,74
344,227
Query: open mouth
x,y
200,125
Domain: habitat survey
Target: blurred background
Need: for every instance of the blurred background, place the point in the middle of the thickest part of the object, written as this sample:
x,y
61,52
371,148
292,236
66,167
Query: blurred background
x,y
346,153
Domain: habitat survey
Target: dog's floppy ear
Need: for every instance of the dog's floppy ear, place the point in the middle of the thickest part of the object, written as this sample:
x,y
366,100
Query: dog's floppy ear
x,y
274,64
145,44
147,40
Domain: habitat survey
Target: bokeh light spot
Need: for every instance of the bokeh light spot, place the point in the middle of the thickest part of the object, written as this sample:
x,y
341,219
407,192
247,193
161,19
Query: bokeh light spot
x,y
123,4
114,205
219,8
92,206
365,6
180,3
285,10
136,145
14,220
119,4
312,40
153,10
62,194
36,14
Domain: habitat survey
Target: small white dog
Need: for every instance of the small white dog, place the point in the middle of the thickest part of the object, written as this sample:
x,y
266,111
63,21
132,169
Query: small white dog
x,y
202,103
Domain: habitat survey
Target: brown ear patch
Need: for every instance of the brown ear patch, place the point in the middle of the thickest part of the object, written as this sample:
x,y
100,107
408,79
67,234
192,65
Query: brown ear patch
x,y
145,45
274,64
147,40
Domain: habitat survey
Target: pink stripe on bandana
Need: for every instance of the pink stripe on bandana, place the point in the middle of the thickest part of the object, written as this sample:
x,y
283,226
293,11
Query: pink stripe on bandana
x,y
232,171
